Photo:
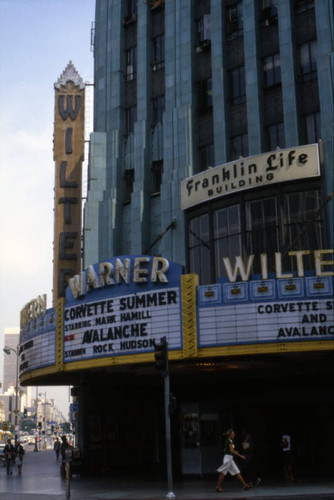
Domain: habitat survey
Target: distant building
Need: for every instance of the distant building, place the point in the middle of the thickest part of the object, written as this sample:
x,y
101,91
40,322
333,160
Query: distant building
x,y
11,339
46,411
9,402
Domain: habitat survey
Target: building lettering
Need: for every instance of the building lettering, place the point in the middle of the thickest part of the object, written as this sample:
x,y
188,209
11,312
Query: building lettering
x,y
116,332
75,352
33,310
68,155
265,169
136,270
304,332
242,269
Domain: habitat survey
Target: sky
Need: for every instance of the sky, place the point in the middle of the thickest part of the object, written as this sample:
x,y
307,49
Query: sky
x,y
37,40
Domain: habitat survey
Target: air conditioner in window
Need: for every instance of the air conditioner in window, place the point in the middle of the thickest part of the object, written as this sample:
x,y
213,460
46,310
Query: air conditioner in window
x,y
128,174
205,44
157,3
233,15
158,65
129,72
129,19
157,164
269,14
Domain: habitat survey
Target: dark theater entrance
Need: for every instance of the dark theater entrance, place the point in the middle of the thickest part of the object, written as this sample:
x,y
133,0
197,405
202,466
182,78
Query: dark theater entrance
x,y
121,416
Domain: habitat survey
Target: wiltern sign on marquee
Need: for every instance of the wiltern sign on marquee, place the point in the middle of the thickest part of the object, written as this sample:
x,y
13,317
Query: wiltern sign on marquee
x,y
277,307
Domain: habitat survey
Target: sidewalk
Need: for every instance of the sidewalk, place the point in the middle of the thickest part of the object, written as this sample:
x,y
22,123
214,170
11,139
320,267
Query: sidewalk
x,y
41,481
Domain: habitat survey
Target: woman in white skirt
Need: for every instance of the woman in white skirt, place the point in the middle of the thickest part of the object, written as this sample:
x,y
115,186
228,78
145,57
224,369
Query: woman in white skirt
x,y
229,466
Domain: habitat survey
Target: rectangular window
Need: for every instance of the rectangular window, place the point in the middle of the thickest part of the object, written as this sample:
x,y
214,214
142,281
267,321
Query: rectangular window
x,y
234,19
302,223
131,64
302,5
158,108
271,70
129,176
238,85
204,28
239,146
130,11
204,95
308,53
156,170
227,237
206,157
130,118
199,248
275,136
312,128
269,4
158,52
269,12
262,230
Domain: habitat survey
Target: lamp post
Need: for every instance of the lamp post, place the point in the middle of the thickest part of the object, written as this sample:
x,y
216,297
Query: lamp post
x,y
7,350
44,419
36,420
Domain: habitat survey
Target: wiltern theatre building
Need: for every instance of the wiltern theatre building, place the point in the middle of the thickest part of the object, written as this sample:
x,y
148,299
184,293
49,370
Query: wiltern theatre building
x,y
208,221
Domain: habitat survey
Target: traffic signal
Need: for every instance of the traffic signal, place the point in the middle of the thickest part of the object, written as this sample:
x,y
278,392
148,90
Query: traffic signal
x,y
52,428
39,425
161,356
25,413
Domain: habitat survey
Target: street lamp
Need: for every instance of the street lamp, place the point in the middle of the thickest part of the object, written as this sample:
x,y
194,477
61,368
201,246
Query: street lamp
x,y
36,420
7,350
44,419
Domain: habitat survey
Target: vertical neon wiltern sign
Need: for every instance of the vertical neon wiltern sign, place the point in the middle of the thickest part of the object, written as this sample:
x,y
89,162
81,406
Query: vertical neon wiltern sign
x,y
68,153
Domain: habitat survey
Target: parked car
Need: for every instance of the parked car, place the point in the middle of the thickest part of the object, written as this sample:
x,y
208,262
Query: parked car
x,y
2,455
31,440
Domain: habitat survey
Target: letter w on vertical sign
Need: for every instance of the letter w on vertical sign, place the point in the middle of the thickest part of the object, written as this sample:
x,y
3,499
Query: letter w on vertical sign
x,y
69,112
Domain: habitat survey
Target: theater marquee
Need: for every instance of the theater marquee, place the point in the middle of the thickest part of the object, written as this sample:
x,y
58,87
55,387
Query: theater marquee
x,y
121,306
37,336
247,173
281,307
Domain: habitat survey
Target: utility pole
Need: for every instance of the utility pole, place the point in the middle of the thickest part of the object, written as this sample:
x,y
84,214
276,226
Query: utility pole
x,y
161,364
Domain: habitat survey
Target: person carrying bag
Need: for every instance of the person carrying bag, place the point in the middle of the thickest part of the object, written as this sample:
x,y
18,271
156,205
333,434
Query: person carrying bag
x,y
9,451
229,466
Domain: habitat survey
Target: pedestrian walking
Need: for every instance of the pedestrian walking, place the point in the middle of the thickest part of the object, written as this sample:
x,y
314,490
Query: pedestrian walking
x,y
56,448
229,466
287,457
9,451
63,448
19,454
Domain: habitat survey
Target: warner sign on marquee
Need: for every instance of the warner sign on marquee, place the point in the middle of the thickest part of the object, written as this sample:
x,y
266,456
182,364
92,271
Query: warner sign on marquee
x,y
121,306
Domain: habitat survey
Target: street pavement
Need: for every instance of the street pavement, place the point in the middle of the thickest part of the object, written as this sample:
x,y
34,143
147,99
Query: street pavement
x,y
41,480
